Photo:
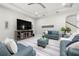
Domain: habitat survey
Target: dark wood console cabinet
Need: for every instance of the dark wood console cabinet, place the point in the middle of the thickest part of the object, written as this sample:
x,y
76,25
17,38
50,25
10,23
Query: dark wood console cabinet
x,y
23,34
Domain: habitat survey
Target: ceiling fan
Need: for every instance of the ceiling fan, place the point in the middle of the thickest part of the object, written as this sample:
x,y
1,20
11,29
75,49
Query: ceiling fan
x,y
66,7
42,5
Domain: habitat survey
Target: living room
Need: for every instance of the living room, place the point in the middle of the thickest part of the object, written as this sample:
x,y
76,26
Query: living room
x,y
46,31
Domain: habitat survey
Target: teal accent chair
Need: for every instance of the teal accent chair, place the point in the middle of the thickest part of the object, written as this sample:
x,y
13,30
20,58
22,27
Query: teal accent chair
x,y
71,51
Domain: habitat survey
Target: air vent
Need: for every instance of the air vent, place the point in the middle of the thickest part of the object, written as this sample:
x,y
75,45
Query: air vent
x,y
48,26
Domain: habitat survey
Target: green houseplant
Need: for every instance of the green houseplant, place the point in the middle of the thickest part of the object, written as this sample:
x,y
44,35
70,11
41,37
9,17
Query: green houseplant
x,y
65,30
68,29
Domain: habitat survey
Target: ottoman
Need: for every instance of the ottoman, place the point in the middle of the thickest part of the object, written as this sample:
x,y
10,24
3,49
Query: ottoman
x,y
42,42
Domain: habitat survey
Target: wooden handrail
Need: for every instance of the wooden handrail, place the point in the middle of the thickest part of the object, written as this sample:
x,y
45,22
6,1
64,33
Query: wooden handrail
x,y
72,24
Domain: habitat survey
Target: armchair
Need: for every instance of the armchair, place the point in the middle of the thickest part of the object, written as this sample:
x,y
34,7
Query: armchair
x,y
71,51
22,50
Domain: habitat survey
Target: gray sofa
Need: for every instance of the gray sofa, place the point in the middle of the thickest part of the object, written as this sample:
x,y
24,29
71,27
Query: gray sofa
x,y
52,35
71,51
22,50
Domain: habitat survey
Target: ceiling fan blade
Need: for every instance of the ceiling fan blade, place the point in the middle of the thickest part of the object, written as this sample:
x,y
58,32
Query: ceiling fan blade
x,y
39,4
42,5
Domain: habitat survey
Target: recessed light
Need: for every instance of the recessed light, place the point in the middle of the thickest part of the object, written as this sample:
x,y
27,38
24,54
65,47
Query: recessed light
x,y
63,4
36,13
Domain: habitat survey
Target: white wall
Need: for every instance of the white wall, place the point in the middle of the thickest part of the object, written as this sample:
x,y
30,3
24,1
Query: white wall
x,y
57,20
73,20
10,16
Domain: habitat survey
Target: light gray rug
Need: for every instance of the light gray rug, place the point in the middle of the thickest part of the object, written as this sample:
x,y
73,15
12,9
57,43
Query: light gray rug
x,y
52,49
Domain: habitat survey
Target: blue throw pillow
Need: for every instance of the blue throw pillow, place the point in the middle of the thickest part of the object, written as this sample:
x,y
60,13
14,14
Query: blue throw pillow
x,y
49,32
3,50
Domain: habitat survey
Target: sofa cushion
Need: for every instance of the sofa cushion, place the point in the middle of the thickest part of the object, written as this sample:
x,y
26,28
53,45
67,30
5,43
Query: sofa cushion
x,y
43,38
3,50
55,32
23,50
73,52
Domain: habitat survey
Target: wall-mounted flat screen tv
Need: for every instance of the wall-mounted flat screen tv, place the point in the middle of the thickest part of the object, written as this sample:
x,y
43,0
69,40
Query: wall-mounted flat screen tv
x,y
23,25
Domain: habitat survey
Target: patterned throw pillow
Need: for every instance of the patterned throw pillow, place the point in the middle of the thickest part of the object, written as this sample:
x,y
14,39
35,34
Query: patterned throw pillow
x,y
11,45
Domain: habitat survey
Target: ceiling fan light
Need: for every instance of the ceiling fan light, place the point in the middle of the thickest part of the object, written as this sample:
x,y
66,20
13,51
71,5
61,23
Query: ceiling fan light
x,y
63,4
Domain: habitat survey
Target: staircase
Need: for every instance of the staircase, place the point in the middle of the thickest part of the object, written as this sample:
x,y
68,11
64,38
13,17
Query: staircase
x,y
72,25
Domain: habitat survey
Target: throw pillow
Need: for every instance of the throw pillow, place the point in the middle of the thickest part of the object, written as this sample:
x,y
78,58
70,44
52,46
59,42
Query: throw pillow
x,y
43,38
46,32
11,45
73,52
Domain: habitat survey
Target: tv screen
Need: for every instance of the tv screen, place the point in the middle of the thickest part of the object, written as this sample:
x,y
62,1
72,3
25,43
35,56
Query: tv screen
x,y
23,25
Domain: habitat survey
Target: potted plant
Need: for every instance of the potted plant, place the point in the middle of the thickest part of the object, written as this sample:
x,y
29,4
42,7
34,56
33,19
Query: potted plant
x,y
65,30
68,30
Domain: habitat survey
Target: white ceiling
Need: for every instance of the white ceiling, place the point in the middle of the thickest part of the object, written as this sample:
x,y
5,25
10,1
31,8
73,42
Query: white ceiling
x,y
36,10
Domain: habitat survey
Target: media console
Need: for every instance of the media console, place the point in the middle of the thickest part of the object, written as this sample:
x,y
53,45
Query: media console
x,y
23,34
